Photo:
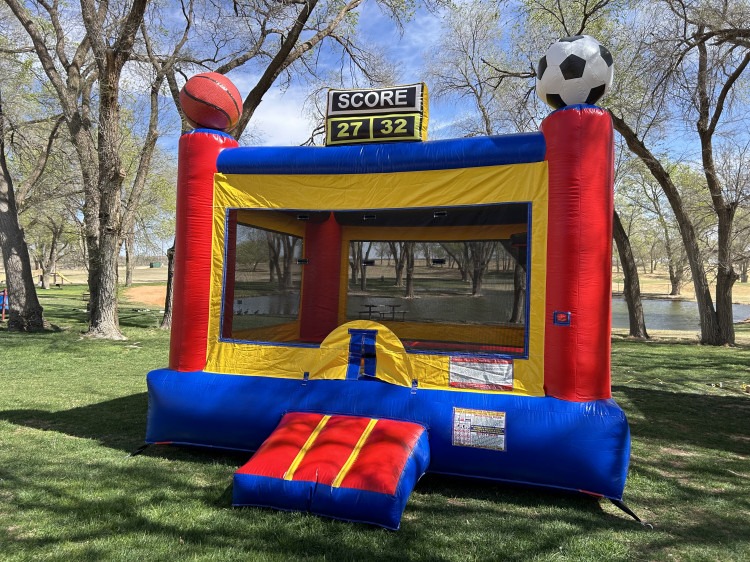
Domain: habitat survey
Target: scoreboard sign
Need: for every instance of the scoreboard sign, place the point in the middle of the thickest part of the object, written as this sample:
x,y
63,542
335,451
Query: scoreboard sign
x,y
377,115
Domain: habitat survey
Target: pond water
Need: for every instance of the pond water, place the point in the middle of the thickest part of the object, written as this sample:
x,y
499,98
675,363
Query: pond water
x,y
666,314
661,314
286,304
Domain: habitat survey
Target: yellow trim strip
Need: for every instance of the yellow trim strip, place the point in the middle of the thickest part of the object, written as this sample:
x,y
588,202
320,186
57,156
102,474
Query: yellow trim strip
x,y
289,474
354,454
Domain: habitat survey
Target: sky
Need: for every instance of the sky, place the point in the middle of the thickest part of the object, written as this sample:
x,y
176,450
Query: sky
x,y
280,119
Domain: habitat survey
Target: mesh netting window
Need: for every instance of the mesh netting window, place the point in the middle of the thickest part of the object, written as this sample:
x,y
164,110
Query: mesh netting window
x,y
444,294
264,279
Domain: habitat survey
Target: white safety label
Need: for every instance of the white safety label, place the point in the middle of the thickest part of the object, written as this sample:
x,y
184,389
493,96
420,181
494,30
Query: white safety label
x,y
480,373
482,429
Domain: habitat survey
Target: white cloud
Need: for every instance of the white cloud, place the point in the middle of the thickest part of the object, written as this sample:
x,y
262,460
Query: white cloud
x,y
280,119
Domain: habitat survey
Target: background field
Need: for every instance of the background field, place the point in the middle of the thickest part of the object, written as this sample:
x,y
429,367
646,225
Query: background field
x,y
71,410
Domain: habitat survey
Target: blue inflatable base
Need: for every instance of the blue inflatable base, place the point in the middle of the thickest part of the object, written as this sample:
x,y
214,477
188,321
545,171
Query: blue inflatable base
x,y
578,446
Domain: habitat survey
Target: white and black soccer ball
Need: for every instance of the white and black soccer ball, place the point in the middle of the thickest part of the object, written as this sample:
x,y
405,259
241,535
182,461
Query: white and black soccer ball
x,y
575,69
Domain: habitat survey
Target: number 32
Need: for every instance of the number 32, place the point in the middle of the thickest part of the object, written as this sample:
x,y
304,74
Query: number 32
x,y
387,126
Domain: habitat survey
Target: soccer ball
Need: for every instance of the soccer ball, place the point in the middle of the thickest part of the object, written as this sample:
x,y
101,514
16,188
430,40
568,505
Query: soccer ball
x,y
575,69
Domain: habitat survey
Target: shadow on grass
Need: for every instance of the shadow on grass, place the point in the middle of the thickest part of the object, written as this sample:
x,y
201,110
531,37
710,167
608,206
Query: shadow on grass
x,y
148,502
445,515
117,424
711,422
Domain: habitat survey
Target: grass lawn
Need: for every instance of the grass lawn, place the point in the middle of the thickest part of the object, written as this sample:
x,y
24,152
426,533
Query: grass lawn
x,y
71,409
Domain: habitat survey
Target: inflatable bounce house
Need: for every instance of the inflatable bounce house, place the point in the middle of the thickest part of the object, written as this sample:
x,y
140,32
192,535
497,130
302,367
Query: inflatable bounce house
x,y
297,337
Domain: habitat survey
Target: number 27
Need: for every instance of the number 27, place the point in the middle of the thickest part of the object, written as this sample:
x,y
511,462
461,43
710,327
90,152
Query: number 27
x,y
344,129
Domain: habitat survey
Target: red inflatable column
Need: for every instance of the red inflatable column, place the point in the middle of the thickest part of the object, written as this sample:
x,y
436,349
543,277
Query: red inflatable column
x,y
322,278
192,259
578,319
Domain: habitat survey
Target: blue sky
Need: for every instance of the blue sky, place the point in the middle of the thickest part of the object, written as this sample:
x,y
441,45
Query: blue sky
x,y
280,118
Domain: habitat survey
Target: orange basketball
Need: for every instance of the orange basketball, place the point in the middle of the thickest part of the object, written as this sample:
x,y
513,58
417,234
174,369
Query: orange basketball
x,y
211,100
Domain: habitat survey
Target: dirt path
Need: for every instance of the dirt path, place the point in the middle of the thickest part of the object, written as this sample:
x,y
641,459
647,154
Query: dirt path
x,y
151,295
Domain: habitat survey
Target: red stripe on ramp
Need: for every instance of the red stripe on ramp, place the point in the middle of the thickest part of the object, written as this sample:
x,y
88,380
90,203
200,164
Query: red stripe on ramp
x,y
379,465
274,457
331,449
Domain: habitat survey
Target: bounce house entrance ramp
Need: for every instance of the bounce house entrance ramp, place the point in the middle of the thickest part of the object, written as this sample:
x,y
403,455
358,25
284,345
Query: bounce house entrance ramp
x,y
346,467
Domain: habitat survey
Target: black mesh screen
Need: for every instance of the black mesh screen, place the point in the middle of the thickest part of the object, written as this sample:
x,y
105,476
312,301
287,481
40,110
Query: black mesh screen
x,y
266,280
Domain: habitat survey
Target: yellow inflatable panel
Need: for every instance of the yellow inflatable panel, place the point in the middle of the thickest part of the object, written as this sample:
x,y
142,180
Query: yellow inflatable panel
x,y
393,365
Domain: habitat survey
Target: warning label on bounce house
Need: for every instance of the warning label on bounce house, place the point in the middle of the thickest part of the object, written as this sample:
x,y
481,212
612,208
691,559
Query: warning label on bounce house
x,y
481,429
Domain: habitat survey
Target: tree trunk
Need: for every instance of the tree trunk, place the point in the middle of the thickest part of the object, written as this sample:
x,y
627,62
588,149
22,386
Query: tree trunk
x,y
129,258
166,321
519,294
477,279
409,258
49,265
104,320
46,267
397,249
631,284
726,277
427,255
479,257
274,270
674,281
722,320
460,257
364,257
25,314
355,252
289,244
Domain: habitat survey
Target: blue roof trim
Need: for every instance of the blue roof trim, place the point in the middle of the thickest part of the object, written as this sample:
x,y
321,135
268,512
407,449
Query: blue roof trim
x,y
471,152
210,131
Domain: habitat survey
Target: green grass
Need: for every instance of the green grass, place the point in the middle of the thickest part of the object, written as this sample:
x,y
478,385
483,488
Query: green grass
x,y
71,409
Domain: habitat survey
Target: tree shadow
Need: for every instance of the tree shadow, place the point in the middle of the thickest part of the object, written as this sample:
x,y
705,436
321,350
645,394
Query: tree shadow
x,y
712,422
118,424
442,506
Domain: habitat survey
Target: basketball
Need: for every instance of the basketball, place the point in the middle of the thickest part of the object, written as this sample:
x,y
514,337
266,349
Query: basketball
x,y
210,100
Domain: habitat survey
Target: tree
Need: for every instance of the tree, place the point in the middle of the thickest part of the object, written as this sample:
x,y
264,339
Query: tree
x,y
251,251
25,312
166,321
459,253
469,67
363,263
49,252
149,223
734,169
48,207
398,251
631,283
480,255
704,77
86,80
282,251
641,191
